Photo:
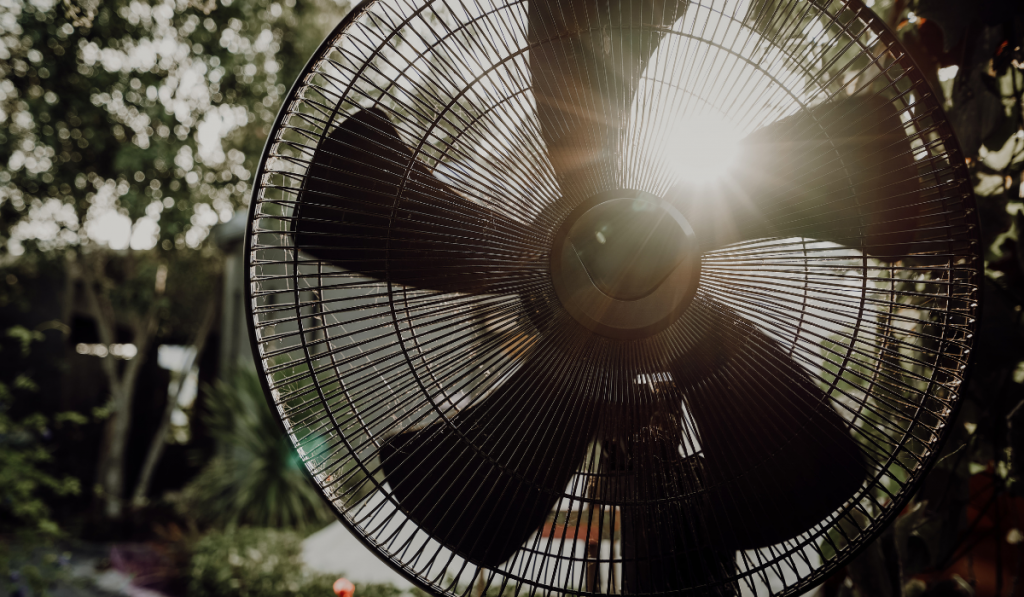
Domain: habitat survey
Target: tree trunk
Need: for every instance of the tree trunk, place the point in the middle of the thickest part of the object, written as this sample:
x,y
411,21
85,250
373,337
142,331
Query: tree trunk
x,y
121,381
112,460
159,440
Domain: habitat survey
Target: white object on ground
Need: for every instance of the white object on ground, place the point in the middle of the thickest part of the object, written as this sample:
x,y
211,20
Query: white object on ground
x,y
334,550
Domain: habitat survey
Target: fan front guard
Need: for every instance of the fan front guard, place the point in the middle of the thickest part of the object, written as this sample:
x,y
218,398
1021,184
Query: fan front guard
x,y
455,407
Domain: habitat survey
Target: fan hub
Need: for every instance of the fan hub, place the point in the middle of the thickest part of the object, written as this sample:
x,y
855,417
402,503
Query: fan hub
x,y
625,264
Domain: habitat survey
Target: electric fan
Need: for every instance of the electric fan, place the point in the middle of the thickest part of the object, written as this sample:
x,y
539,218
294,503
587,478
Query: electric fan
x,y
589,296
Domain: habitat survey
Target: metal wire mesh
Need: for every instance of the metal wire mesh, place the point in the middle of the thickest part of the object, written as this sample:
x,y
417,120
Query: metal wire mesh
x,y
471,432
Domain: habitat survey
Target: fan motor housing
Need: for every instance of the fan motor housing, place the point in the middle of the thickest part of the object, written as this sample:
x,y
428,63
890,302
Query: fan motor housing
x,y
625,264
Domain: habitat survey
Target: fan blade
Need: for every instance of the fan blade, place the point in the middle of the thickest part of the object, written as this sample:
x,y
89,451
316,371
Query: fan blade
x,y
355,213
778,458
482,482
584,82
843,171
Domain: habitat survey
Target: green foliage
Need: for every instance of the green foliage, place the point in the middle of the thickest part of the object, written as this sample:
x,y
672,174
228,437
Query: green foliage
x,y
376,590
25,337
127,130
260,562
348,479
480,586
25,481
252,562
152,113
256,477
30,566
495,590
983,102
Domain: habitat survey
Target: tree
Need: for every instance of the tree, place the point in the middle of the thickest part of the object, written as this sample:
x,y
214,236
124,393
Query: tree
x,y
971,53
127,130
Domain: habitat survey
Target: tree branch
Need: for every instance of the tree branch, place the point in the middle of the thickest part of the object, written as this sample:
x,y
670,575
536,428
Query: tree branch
x,y
159,440
111,463
90,277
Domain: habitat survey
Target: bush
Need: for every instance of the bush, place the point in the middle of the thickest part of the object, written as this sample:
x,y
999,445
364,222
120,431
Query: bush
x,y
260,562
252,562
26,481
30,566
255,477
376,590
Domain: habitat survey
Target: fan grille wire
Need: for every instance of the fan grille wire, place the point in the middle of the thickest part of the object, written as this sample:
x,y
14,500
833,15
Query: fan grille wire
x,y
350,359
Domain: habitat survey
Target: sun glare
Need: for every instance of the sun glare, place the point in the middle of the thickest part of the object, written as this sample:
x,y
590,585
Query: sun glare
x,y
703,148
679,132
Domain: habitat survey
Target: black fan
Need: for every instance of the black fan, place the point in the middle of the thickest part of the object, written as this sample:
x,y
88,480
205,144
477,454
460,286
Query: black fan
x,y
593,296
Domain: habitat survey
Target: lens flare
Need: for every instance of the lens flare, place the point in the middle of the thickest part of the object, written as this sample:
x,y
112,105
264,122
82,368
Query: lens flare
x,y
704,147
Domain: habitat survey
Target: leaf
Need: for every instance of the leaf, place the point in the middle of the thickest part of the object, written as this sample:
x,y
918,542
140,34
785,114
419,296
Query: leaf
x,y
24,382
978,110
72,417
1000,158
25,336
256,476
976,113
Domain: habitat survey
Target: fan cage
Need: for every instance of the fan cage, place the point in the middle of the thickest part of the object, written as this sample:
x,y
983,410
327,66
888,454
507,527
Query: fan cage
x,y
346,359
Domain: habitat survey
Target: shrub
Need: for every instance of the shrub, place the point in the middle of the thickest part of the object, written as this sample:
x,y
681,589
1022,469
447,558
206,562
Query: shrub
x,y
376,590
252,562
260,562
255,477
25,479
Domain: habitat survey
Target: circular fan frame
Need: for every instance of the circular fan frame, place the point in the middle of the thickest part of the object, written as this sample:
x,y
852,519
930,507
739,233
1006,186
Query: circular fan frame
x,y
281,297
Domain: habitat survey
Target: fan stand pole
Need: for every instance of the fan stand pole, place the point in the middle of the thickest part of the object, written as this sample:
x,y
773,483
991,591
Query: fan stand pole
x,y
613,554
481,583
592,554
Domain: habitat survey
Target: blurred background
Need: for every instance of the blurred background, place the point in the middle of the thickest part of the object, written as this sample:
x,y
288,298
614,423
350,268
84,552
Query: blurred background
x,y
137,453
